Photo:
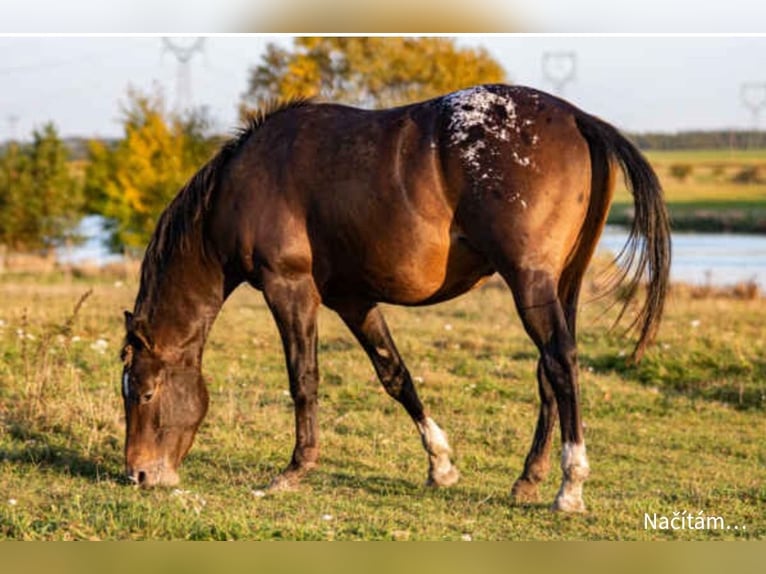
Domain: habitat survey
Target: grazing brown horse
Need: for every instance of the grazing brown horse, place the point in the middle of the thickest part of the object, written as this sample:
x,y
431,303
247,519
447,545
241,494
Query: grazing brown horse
x,y
326,204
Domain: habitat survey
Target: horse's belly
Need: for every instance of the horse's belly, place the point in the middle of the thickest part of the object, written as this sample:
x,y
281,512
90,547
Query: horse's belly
x,y
424,276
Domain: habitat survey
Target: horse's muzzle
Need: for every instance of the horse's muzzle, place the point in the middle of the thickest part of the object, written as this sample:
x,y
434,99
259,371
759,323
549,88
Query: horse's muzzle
x,y
147,476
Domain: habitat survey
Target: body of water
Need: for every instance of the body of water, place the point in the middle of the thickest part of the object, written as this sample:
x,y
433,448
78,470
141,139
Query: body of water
x,y
706,258
699,258
93,249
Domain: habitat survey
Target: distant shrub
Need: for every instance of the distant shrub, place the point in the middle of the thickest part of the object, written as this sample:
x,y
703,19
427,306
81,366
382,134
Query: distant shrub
x,y
717,171
747,175
748,290
681,171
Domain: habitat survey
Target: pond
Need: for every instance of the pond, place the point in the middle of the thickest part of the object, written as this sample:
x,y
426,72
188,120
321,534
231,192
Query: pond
x,y
718,259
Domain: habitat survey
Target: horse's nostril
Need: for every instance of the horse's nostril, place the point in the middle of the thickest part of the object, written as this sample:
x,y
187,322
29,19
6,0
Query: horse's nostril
x,y
141,477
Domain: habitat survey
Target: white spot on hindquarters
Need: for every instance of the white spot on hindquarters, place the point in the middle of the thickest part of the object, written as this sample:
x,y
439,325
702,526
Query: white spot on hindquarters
x,y
478,115
575,468
521,160
514,196
472,153
475,107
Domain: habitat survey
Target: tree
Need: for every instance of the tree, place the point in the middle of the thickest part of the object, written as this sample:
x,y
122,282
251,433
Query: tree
x,y
40,199
14,180
131,182
368,72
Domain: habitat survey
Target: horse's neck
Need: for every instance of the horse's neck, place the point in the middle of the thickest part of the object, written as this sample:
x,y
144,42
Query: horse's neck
x,y
180,306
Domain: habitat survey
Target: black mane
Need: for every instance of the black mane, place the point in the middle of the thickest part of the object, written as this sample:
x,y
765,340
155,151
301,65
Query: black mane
x,y
178,228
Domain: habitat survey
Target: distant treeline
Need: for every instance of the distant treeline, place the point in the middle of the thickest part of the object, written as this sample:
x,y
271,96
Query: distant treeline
x,y
77,147
719,139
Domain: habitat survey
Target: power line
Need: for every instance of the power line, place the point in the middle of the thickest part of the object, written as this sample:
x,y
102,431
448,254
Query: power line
x,y
13,123
183,53
559,68
753,97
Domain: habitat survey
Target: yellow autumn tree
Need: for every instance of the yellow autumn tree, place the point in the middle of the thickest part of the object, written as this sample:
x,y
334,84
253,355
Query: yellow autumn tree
x,y
132,181
369,72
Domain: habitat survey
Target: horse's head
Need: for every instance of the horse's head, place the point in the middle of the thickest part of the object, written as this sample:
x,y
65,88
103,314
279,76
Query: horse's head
x,y
165,402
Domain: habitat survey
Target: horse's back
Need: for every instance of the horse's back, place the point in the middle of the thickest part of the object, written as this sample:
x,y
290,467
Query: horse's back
x,y
408,205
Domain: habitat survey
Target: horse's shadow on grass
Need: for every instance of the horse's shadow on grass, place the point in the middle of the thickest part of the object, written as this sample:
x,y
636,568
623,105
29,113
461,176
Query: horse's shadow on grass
x,y
386,486
36,450
373,484
331,477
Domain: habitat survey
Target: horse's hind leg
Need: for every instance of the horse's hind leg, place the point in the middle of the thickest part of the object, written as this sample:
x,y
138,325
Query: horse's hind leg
x,y
294,303
537,464
545,321
368,326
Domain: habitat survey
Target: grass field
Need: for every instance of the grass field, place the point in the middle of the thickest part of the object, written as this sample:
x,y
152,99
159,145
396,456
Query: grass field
x,y
681,433
707,190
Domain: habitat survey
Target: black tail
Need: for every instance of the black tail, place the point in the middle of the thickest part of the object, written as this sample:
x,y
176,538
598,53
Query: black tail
x,y
648,247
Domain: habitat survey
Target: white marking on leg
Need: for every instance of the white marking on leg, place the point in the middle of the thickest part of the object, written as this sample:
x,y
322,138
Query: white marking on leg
x,y
383,352
434,439
573,455
574,465
441,471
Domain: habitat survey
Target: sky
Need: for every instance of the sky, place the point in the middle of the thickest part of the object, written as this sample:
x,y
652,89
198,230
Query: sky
x,y
645,83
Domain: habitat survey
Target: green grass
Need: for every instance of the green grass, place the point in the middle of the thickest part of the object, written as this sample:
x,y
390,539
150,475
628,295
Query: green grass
x,y
681,432
710,197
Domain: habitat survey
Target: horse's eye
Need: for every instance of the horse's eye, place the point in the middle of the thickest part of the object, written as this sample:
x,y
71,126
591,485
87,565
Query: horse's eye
x,y
147,396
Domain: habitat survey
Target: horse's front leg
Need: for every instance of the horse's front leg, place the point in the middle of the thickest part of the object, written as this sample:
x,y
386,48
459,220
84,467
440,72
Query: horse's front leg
x,y
294,302
366,322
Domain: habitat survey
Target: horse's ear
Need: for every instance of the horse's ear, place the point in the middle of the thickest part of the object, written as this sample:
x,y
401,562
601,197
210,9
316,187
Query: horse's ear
x,y
127,355
135,327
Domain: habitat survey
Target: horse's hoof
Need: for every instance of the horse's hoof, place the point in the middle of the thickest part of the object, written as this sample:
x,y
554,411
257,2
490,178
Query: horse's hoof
x,y
568,504
286,482
525,492
443,479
